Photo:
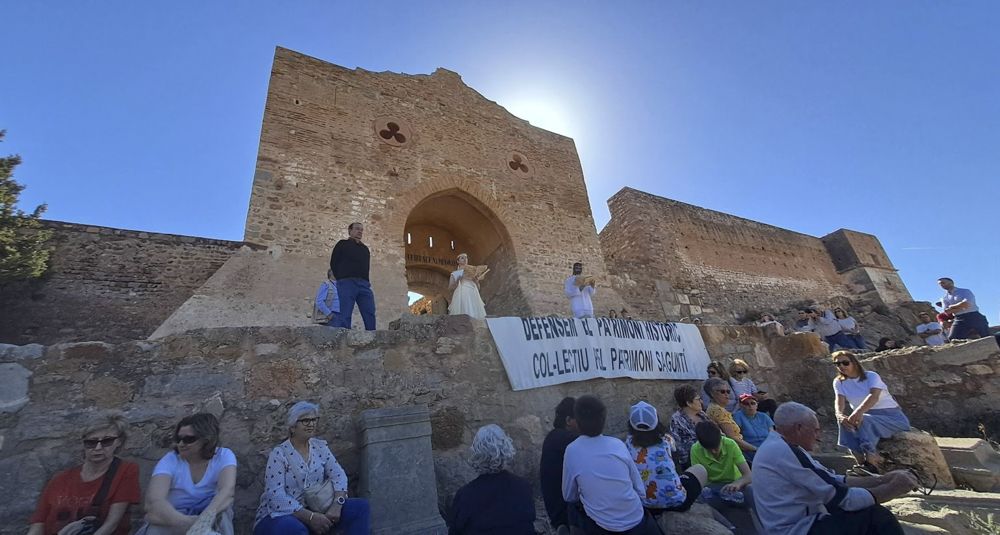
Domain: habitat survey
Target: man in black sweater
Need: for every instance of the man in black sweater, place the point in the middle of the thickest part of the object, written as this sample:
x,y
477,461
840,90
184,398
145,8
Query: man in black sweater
x,y
551,466
350,262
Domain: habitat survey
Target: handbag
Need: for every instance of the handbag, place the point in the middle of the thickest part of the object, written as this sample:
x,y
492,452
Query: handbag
x,y
319,497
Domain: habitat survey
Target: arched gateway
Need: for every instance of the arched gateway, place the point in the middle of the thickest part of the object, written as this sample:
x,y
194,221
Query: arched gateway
x,y
450,222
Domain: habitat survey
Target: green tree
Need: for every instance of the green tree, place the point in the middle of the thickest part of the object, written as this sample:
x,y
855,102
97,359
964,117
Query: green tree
x,y
23,250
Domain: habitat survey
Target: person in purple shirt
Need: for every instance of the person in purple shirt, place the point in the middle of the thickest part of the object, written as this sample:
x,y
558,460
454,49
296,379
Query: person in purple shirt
x,y
969,322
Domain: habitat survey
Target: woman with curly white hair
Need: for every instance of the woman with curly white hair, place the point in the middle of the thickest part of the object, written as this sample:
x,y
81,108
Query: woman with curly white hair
x,y
496,501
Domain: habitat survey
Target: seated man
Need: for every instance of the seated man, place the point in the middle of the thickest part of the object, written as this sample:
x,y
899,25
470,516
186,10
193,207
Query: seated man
x,y
728,471
599,473
798,496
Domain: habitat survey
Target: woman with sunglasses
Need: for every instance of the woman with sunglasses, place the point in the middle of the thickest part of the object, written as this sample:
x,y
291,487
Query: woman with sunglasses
x,y
721,391
874,415
196,478
305,488
717,371
93,497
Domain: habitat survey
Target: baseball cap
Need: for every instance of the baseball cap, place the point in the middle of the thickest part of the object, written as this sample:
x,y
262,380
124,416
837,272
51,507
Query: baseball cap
x,y
642,416
746,397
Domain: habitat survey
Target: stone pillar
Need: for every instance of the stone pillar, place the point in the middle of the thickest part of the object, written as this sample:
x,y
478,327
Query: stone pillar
x,y
397,471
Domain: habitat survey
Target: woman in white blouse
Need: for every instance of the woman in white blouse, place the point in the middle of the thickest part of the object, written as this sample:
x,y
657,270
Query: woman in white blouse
x,y
466,298
874,413
305,489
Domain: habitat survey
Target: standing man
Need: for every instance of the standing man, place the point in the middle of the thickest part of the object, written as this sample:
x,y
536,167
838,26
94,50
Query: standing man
x,y
969,323
579,294
551,466
929,330
350,263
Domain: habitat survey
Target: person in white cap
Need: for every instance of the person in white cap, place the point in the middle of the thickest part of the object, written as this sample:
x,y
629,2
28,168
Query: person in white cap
x,y
651,448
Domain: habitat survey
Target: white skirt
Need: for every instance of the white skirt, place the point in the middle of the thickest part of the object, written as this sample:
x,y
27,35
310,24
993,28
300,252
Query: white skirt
x,y
466,300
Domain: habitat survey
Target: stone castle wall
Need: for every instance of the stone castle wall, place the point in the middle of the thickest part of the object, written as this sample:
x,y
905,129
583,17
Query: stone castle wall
x,y
453,160
249,377
107,284
676,260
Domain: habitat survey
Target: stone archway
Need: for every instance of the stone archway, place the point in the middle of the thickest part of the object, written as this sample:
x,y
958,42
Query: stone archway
x,y
446,223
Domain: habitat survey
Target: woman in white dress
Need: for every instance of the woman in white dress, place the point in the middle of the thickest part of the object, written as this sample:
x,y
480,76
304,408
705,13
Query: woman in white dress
x,y
466,299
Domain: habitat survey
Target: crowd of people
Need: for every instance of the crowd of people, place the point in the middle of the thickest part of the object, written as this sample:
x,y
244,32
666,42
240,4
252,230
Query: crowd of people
x,y
733,457
193,486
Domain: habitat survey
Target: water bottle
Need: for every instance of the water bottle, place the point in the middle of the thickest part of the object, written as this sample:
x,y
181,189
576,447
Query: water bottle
x,y
707,493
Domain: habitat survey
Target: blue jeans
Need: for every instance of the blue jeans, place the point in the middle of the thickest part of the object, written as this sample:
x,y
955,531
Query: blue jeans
x,y
842,340
354,520
968,324
357,291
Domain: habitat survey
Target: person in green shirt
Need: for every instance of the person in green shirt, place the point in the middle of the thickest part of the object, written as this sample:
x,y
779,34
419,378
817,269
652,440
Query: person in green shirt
x,y
728,471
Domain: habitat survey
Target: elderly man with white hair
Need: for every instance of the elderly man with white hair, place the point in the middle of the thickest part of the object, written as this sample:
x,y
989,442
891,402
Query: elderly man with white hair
x,y
496,502
796,495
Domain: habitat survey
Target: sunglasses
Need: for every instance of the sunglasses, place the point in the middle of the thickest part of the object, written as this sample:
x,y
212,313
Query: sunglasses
x,y
740,372
186,439
713,372
308,421
751,402
843,363
106,442
726,391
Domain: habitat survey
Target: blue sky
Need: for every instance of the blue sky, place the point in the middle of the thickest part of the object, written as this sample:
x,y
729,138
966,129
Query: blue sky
x,y
880,117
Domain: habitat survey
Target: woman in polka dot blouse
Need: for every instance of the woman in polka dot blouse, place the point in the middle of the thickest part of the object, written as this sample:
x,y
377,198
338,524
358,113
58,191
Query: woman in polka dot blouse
x,y
305,462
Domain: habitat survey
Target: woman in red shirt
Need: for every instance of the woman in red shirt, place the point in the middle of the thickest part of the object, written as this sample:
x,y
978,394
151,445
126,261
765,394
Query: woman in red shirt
x,y
67,505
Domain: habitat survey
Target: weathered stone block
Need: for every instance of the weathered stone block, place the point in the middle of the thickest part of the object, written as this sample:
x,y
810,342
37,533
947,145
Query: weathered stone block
x,y
917,450
968,352
25,352
973,462
13,387
397,474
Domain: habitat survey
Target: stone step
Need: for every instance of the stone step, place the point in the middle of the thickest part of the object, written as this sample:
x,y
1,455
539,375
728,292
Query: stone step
x,y
973,462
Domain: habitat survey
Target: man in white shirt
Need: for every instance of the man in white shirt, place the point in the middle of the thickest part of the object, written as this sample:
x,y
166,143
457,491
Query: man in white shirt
x,y
929,330
796,495
969,322
599,473
580,303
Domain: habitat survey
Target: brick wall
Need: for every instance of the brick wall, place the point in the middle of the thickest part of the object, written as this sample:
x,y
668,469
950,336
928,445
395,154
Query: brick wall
x,y
681,260
107,284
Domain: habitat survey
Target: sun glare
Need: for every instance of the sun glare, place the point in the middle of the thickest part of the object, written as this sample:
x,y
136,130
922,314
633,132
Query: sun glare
x,y
547,113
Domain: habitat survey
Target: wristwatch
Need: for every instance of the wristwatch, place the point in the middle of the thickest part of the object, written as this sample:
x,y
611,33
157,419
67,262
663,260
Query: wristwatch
x,y
341,500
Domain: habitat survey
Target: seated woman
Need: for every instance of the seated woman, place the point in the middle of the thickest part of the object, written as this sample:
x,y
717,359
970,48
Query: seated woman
x,y
718,371
652,448
496,501
739,373
93,497
849,326
466,299
305,488
720,392
885,343
767,320
688,414
754,426
196,479
875,413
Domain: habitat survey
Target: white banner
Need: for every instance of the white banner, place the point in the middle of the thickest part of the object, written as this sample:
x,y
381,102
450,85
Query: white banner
x,y
549,351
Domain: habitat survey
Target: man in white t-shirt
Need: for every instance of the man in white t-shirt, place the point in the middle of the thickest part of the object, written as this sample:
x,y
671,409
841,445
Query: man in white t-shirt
x,y
929,330
599,473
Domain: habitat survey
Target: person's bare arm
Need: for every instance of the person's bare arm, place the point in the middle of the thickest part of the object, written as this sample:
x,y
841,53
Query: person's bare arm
x,y
159,511
225,490
732,431
870,400
115,514
840,407
886,487
742,482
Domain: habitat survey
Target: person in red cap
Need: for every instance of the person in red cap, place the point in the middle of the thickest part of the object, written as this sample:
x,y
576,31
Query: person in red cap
x,y
754,425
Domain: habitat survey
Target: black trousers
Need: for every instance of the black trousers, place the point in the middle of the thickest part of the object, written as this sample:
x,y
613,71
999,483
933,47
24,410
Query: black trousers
x,y
578,517
874,520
